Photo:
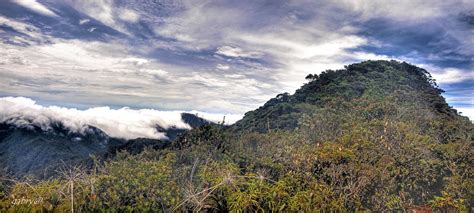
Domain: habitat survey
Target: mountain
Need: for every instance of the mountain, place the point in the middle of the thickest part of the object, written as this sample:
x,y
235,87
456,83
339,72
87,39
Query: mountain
x,y
370,79
137,145
32,150
36,150
192,120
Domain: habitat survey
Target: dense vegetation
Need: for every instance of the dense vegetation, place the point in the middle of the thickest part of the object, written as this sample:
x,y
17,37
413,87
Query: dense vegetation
x,y
374,136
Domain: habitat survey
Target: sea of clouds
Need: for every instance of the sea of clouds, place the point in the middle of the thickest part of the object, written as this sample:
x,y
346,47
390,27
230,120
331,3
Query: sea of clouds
x,y
121,123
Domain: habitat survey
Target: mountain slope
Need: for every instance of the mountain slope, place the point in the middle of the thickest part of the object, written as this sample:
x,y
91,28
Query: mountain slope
x,y
369,79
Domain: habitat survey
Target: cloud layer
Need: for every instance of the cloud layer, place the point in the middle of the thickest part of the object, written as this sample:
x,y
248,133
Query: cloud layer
x,y
220,57
121,123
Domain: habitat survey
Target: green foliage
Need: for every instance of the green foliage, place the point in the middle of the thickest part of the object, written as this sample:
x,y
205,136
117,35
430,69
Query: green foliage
x,y
447,203
142,183
37,197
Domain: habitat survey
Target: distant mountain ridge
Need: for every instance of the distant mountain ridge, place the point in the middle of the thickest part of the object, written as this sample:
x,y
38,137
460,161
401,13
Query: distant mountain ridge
x,y
40,150
32,150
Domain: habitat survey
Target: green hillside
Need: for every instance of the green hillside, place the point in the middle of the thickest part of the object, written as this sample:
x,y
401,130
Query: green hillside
x,y
375,136
374,81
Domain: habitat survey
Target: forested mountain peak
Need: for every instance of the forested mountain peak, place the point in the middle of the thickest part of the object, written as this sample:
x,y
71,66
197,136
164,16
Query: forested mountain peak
x,y
374,80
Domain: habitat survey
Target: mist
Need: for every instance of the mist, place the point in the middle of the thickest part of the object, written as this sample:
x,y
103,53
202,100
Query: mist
x,y
120,123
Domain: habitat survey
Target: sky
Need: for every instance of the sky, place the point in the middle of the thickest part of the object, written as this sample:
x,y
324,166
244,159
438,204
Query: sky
x,y
222,57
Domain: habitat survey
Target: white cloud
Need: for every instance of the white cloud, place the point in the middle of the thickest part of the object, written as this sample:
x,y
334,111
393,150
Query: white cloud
x,y
287,47
156,72
370,56
36,6
235,76
101,10
135,61
122,123
466,111
280,44
452,75
99,73
108,12
128,15
84,21
237,52
222,67
448,75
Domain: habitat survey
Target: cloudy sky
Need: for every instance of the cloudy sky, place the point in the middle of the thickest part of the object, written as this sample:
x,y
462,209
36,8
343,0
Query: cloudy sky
x,y
223,57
